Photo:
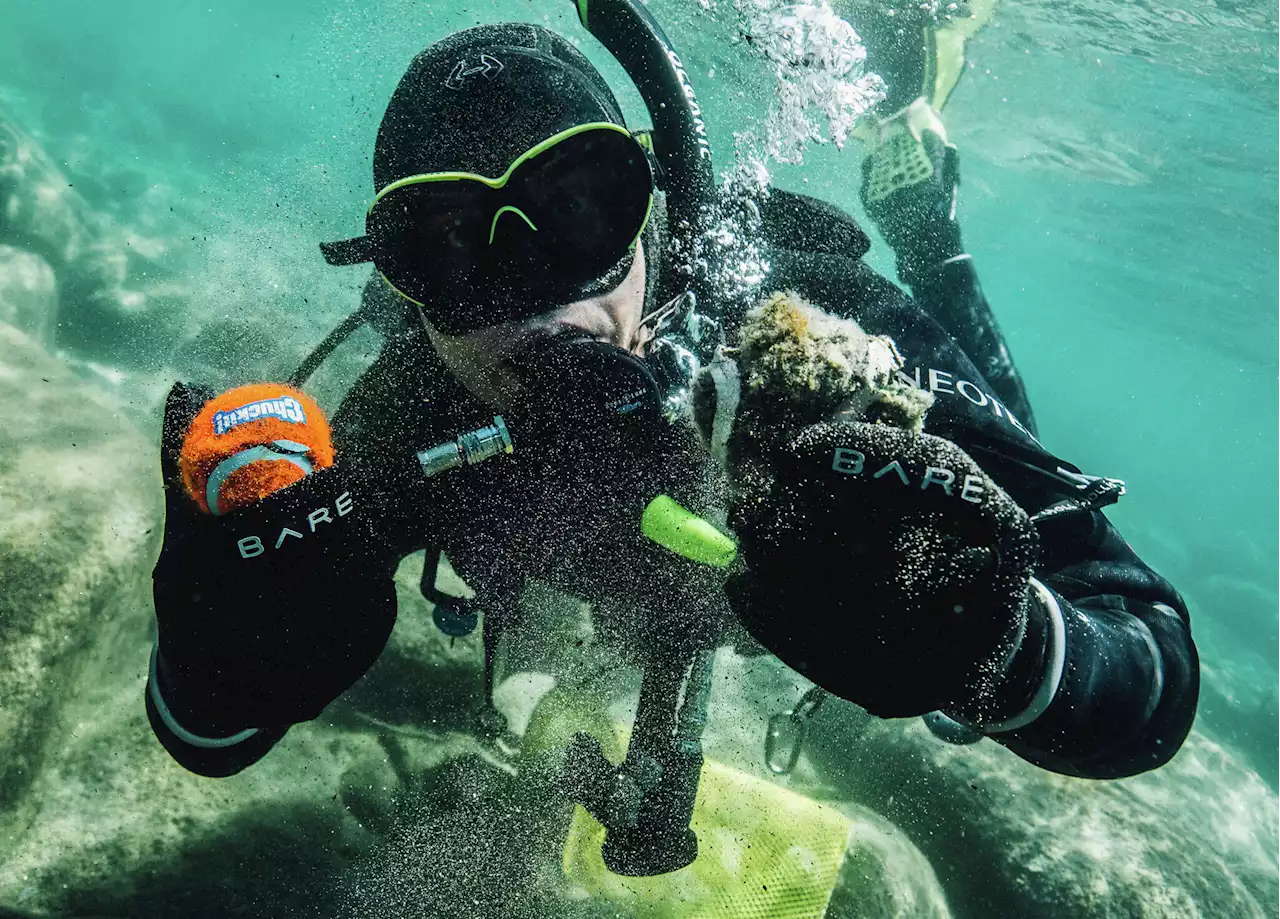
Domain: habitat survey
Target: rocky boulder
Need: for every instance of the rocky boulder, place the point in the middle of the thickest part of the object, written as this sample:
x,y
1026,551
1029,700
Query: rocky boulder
x,y
95,819
78,526
110,299
28,294
1196,838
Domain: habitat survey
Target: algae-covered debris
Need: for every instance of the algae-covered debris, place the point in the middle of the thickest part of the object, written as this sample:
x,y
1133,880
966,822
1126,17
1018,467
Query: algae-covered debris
x,y
799,359
798,365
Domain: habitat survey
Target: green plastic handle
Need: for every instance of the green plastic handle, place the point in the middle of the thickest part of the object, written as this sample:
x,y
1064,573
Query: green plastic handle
x,y
685,533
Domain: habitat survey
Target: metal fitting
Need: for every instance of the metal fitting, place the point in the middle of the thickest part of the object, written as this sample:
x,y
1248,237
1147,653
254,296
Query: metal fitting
x,y
469,449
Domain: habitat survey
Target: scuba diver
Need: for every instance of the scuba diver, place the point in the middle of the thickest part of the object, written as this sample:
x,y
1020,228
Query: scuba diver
x,y
547,324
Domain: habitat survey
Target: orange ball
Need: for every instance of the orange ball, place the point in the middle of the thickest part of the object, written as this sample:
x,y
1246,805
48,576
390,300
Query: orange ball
x,y
251,441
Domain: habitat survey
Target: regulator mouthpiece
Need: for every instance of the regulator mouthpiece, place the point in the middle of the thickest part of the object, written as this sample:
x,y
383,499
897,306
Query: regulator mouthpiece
x,y
468,450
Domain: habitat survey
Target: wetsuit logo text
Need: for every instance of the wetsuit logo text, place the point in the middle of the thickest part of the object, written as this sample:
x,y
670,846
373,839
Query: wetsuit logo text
x,y
943,383
699,128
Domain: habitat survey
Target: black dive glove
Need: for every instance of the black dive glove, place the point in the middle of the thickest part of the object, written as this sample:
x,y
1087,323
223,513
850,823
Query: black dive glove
x,y
268,613
885,566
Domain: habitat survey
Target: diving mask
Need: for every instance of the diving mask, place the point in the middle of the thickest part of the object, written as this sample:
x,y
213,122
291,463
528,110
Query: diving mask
x,y
559,225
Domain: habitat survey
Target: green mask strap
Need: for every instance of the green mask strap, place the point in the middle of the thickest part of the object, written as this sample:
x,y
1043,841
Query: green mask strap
x,y
685,533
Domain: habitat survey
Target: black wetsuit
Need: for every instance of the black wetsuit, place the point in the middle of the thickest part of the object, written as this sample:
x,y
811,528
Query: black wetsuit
x,y
1127,692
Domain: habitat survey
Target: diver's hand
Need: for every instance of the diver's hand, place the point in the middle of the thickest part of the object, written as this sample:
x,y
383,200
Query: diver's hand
x,y
267,613
885,566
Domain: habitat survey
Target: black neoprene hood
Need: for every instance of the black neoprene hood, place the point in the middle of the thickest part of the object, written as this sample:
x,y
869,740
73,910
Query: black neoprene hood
x,y
476,100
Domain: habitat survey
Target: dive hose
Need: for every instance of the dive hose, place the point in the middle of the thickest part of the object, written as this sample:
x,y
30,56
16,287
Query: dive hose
x,y
649,835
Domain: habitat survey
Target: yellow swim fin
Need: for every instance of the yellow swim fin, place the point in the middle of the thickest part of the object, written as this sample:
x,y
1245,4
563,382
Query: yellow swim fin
x,y
917,54
947,53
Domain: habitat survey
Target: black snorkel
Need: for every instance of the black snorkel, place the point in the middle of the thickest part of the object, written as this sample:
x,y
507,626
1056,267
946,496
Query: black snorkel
x,y
685,337
631,34
646,802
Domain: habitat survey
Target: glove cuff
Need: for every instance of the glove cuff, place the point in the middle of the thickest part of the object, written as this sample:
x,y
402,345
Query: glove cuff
x,y
161,697
1031,675
212,756
923,249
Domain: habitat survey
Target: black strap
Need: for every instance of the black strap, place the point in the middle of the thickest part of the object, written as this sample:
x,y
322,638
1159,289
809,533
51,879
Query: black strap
x,y
327,347
1099,493
348,251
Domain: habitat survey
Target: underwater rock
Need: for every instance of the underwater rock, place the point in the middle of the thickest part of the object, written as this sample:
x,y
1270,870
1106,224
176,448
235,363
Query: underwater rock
x,y
822,364
95,818
1196,838
799,365
885,875
110,299
28,294
114,827
40,210
79,517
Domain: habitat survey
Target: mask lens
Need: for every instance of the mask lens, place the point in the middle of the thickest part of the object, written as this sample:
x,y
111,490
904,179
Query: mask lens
x,y
429,231
590,194
564,219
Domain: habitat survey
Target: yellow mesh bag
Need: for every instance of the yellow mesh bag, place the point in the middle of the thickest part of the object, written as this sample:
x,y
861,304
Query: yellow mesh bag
x,y
899,162
764,852
900,159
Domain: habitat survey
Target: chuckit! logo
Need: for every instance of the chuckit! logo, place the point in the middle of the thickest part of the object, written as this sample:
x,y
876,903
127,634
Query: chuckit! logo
x,y
286,408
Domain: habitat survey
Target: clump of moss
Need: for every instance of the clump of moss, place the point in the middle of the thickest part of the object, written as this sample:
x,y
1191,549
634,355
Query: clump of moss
x,y
801,365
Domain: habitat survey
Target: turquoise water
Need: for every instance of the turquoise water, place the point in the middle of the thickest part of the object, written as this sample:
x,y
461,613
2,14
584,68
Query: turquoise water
x,y
1119,193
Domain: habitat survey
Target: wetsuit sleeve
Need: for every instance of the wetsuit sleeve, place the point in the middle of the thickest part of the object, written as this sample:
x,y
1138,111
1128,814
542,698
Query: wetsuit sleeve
x,y
265,617
950,292
1108,652
919,223
1117,694
1106,680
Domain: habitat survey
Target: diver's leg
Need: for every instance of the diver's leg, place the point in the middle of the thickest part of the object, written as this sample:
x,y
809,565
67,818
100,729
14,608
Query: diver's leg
x,y
909,190
910,177
953,295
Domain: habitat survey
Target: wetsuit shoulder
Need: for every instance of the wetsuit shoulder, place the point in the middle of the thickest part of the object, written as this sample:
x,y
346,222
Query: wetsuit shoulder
x,y
801,223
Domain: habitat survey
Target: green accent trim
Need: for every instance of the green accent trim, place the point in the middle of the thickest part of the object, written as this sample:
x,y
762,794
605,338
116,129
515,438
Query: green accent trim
x,y
493,227
685,533
421,306
582,14
500,181
643,223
